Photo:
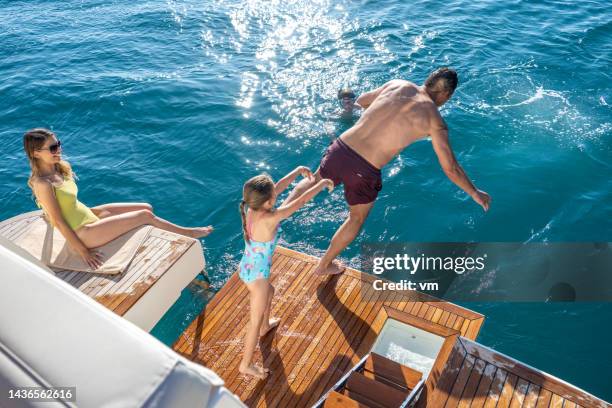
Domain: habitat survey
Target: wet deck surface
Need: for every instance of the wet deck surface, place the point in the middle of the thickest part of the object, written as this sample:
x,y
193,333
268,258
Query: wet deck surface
x,y
326,326
120,292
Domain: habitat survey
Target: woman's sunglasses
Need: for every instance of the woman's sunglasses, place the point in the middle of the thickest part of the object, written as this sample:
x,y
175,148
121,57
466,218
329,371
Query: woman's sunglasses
x,y
54,148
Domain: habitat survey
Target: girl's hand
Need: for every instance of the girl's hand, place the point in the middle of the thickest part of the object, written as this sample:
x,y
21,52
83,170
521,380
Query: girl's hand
x,y
305,172
327,183
91,257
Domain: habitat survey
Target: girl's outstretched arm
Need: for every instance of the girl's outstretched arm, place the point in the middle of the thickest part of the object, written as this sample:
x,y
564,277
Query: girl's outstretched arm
x,y
288,179
286,210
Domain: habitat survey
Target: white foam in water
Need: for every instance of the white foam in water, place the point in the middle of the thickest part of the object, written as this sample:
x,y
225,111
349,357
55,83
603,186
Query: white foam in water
x,y
408,358
408,345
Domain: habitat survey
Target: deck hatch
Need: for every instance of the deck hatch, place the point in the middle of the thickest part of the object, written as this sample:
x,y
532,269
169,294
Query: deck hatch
x,y
408,345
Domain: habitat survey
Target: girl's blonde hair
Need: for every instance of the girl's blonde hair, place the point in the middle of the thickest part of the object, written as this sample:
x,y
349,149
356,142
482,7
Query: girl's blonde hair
x,y
255,193
34,140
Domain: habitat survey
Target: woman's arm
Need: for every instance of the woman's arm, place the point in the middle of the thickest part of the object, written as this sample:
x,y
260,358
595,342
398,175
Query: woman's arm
x,y
43,190
285,211
288,179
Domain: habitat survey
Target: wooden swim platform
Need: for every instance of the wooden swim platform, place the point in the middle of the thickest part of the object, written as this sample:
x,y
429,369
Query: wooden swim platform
x,y
166,258
327,325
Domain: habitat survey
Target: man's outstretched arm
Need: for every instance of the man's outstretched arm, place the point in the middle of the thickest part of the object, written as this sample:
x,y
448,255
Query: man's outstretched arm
x,y
452,168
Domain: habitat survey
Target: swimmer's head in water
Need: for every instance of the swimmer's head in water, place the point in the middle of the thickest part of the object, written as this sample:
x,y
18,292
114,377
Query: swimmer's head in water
x,y
346,93
258,193
441,84
347,99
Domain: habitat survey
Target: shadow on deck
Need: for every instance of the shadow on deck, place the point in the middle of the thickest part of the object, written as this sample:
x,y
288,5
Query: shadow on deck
x,y
327,325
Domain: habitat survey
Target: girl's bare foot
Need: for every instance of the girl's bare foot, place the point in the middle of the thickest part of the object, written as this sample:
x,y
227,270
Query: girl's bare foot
x,y
201,232
334,268
254,371
265,328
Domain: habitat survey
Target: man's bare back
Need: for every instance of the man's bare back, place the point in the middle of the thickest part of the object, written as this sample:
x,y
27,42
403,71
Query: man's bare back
x,y
396,114
399,113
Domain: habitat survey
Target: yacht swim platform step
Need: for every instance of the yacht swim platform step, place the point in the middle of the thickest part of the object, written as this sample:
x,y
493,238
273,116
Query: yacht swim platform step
x,y
163,266
329,325
375,382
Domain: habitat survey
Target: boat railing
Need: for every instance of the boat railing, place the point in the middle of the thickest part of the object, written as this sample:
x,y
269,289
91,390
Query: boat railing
x,y
414,395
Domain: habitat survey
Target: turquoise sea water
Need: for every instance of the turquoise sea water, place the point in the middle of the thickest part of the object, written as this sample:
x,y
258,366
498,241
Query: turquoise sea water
x,y
177,103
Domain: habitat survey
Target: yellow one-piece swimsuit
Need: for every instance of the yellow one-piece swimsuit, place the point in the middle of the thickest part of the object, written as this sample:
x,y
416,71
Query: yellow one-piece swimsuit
x,y
74,212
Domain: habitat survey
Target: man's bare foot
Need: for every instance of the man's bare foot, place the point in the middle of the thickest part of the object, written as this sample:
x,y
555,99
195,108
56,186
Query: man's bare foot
x,y
201,232
254,371
265,328
334,268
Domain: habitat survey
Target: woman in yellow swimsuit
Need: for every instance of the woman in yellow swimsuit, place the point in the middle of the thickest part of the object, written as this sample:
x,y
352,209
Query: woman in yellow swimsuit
x,y
52,182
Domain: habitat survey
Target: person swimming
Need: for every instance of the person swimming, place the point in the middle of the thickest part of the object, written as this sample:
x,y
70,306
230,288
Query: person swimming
x,y
54,187
260,225
347,99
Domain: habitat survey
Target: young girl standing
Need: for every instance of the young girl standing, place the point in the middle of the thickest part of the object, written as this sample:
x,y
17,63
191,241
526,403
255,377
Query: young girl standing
x,y
260,224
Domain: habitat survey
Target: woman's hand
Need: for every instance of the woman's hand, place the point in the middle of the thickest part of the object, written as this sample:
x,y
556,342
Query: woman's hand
x,y
92,257
43,190
305,172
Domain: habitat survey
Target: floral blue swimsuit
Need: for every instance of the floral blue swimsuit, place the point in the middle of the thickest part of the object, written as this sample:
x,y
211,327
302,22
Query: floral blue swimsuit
x,y
257,259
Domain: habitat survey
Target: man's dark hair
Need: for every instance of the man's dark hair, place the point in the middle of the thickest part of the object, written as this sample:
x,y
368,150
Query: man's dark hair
x,y
442,80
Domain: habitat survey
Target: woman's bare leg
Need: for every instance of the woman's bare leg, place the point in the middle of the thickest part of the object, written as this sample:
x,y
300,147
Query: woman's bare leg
x,y
267,323
106,210
106,229
258,290
197,232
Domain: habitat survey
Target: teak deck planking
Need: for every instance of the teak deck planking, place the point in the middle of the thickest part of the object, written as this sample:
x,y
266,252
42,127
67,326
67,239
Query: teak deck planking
x,y
160,250
327,325
476,376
